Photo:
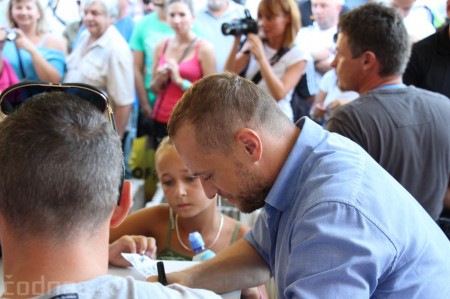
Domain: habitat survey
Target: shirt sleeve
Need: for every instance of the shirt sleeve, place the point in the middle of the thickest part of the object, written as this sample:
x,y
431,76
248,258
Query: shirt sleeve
x,y
57,59
120,84
137,37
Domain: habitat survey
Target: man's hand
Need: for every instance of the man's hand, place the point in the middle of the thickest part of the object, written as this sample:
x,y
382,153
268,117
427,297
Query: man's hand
x,y
131,244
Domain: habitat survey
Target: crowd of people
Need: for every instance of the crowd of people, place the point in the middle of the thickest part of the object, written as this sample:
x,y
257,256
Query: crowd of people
x,y
339,216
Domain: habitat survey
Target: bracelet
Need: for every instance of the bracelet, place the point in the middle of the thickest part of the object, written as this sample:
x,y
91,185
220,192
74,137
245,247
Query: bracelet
x,y
185,84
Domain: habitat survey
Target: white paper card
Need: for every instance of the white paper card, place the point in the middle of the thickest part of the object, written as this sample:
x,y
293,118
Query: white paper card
x,y
142,263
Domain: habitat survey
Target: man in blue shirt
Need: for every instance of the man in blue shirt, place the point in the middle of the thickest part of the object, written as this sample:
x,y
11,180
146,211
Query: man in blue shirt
x,y
334,223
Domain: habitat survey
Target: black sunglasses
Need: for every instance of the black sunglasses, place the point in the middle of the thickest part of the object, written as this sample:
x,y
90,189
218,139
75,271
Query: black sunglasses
x,y
15,95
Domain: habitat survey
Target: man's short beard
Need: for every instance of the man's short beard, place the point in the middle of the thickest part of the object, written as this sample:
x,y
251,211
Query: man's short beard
x,y
254,201
254,191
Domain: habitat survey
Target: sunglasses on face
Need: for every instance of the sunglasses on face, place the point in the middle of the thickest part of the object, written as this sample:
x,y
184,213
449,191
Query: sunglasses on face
x,y
15,95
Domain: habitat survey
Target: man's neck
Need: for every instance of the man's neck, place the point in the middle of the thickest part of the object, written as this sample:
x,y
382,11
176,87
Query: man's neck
x,y
379,82
44,266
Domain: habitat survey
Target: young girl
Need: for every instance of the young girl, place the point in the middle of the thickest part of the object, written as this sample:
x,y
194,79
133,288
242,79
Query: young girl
x,y
188,210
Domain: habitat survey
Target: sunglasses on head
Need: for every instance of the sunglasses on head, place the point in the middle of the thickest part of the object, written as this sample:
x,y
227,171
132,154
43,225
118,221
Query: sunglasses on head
x,y
15,95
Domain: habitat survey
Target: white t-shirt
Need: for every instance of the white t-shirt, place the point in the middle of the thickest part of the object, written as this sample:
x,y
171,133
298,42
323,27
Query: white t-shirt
x,y
108,286
312,39
293,56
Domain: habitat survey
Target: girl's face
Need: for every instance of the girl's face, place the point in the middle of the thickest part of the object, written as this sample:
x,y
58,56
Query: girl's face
x,y
183,192
25,13
272,25
180,17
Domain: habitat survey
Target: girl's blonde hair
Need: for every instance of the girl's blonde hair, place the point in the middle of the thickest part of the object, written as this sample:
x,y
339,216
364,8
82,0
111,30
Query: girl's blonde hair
x,y
165,144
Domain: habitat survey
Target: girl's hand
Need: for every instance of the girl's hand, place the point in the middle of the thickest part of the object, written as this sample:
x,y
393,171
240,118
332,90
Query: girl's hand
x,y
160,78
23,42
174,72
131,244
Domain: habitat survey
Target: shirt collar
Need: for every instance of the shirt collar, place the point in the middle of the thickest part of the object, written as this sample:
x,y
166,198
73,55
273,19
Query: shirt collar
x,y
286,185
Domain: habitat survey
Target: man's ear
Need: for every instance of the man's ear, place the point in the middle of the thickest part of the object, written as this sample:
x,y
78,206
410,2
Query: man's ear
x,y
251,142
369,60
121,210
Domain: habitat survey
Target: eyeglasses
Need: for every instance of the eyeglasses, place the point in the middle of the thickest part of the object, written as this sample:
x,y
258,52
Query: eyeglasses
x,y
15,95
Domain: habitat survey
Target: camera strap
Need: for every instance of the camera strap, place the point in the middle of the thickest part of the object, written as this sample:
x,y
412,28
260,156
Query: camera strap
x,y
275,58
19,57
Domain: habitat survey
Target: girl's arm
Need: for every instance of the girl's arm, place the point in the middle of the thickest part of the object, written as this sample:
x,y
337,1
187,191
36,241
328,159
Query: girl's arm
x,y
145,222
160,74
139,81
236,61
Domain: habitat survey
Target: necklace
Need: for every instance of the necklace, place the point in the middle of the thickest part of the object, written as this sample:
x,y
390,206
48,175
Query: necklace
x,y
210,245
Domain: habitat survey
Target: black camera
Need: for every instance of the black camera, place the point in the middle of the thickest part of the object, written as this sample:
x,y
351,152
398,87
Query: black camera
x,y
11,35
241,26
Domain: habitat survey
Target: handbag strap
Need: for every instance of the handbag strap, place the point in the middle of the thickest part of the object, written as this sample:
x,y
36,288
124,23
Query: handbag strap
x,y
187,50
275,58
183,55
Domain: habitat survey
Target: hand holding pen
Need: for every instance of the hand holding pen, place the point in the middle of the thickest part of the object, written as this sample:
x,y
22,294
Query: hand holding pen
x,y
131,244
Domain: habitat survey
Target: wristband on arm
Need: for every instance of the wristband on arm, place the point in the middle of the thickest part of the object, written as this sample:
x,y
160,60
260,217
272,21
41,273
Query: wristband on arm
x,y
185,84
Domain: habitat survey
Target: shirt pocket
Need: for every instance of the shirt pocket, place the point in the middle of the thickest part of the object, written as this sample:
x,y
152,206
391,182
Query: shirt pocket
x,y
94,71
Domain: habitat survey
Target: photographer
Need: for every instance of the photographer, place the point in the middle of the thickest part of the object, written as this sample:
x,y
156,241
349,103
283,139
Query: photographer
x,y
270,58
34,53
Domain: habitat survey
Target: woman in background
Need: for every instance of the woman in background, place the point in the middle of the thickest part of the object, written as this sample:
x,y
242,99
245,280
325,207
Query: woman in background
x,y
179,61
270,58
34,53
151,29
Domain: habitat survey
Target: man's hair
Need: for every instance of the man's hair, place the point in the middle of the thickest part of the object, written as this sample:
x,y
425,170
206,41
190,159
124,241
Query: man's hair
x,y
217,106
288,7
61,167
380,29
111,7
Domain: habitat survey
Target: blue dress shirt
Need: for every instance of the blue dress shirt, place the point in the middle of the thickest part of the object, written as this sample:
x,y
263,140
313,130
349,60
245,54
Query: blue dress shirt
x,y
337,225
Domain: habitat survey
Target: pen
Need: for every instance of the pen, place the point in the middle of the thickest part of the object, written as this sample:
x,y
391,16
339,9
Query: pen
x,y
161,273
